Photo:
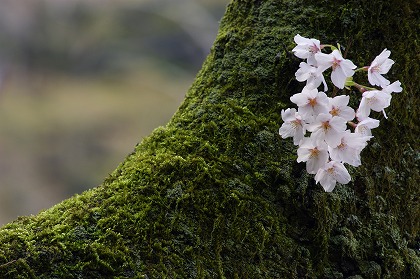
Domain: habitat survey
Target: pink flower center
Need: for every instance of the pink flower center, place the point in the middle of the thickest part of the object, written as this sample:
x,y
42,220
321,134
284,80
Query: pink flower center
x,y
331,171
342,145
335,63
312,102
326,125
363,129
314,152
376,68
296,123
371,100
335,111
313,48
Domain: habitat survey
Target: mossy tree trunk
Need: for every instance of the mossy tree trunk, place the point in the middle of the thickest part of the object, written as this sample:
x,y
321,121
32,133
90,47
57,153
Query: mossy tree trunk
x,y
218,194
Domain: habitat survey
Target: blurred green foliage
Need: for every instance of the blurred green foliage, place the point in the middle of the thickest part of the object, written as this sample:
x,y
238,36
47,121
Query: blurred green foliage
x,y
81,82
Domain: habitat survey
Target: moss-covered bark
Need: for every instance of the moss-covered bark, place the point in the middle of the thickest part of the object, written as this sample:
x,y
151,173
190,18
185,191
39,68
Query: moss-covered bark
x,y
218,194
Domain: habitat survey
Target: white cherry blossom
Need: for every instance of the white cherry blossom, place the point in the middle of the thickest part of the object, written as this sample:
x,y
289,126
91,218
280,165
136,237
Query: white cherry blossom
x,y
365,126
327,127
373,100
293,125
348,151
394,87
311,75
380,66
310,103
330,174
339,107
329,145
306,48
341,68
315,155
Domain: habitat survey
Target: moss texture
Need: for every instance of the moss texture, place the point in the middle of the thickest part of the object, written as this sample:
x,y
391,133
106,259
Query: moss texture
x,y
218,194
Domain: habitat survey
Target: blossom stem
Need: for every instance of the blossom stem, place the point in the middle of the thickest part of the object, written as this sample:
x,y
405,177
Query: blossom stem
x,y
361,69
362,88
335,90
352,124
329,46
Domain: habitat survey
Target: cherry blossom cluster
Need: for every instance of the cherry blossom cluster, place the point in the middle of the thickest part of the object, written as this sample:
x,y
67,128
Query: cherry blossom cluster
x,y
328,132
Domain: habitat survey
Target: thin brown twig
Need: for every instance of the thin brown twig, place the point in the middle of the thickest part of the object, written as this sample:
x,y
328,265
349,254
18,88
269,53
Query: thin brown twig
x,y
349,42
8,263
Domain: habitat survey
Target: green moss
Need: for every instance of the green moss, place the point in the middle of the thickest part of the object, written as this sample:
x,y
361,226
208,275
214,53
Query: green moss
x,y
218,194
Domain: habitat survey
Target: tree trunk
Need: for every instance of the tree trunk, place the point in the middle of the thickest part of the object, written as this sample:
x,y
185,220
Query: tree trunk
x,y
218,194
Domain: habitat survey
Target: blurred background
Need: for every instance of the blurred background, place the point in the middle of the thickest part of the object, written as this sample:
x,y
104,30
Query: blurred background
x,y
82,81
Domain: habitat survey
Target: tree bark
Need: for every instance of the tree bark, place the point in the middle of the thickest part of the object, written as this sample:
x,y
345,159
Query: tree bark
x,y
218,194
